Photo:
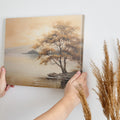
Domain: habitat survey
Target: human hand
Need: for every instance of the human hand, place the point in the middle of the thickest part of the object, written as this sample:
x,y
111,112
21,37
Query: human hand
x,y
3,85
71,93
71,99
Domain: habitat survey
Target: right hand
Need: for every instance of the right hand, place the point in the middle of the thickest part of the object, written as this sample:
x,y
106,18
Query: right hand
x,y
71,93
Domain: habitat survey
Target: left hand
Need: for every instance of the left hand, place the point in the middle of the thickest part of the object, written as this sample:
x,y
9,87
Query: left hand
x,y
3,85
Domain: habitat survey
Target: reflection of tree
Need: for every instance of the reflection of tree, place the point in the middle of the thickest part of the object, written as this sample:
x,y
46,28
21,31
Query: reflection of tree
x,y
61,44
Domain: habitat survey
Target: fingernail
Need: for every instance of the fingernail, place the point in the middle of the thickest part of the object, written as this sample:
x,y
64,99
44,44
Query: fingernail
x,y
3,69
78,72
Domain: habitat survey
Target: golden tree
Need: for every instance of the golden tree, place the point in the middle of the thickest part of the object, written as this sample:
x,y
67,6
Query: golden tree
x,y
59,45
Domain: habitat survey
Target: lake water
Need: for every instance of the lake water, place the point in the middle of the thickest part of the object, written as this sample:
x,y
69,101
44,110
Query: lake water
x,y
22,70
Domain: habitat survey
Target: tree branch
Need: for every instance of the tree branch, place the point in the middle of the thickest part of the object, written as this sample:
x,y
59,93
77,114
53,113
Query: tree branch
x,y
56,62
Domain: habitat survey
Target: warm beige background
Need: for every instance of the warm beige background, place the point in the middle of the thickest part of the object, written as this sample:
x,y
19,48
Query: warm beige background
x,y
26,30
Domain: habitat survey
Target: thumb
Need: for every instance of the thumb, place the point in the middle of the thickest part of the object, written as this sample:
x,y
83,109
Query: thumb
x,y
3,72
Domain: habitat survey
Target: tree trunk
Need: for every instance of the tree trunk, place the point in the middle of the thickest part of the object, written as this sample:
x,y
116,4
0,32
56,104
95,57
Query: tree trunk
x,y
62,70
65,71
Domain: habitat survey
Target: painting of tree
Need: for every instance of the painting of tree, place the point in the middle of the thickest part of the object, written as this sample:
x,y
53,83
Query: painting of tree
x,y
43,51
61,44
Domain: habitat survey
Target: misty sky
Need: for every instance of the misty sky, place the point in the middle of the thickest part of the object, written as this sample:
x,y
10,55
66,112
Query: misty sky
x,y
25,31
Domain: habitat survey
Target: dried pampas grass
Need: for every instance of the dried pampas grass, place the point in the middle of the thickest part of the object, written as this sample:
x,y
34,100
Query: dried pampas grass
x,y
108,84
86,110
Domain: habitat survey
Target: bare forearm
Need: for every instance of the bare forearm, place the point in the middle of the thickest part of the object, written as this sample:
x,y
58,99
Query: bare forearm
x,y
64,107
59,111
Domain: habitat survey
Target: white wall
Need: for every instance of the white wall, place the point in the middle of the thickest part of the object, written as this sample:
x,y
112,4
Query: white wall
x,y
102,22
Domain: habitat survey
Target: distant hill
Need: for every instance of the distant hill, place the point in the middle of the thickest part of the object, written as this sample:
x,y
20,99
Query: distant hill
x,y
22,51
32,52
18,50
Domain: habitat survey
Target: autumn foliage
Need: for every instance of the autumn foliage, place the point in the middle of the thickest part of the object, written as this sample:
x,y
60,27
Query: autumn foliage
x,y
60,44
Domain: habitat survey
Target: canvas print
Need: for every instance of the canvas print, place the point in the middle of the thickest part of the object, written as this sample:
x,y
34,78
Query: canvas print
x,y
43,51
